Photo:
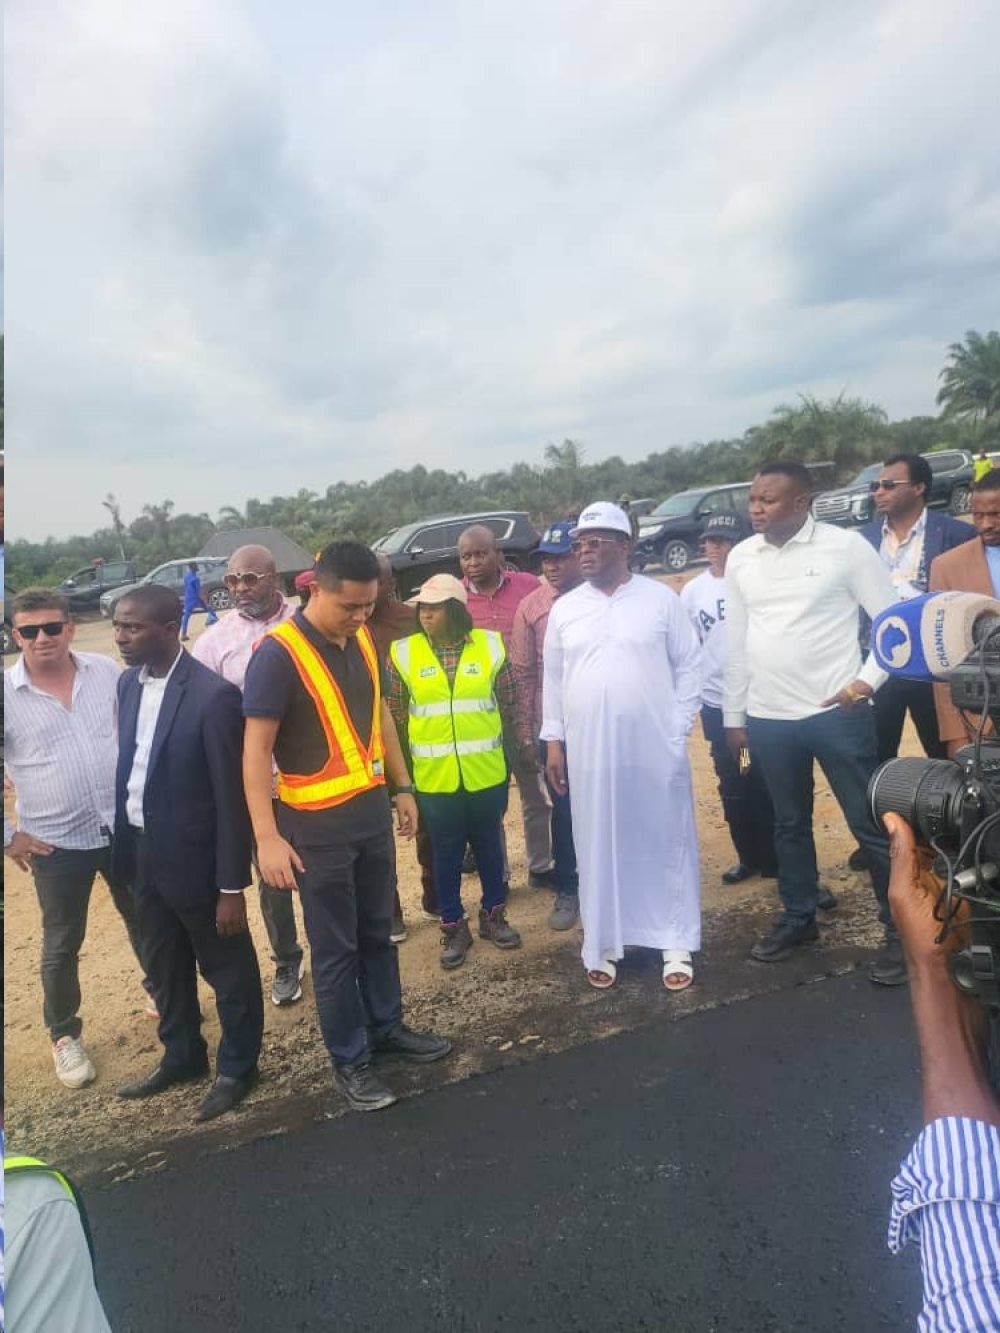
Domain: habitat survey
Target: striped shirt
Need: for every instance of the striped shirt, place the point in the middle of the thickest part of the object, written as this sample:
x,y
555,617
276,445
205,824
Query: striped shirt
x,y
225,647
62,760
947,1199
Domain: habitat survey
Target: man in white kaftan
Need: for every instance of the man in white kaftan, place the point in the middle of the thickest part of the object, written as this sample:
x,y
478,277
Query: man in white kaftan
x,y
621,692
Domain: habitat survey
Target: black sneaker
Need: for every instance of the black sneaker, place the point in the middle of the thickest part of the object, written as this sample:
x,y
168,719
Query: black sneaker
x,y
889,967
287,985
456,941
361,1087
494,926
423,1047
397,932
784,938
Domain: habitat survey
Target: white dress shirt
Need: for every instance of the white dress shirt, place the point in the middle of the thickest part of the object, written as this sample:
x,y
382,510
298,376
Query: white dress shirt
x,y
792,621
62,760
153,690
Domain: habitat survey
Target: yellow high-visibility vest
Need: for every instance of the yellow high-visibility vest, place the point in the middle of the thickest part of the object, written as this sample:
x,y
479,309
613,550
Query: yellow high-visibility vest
x,y
350,767
455,733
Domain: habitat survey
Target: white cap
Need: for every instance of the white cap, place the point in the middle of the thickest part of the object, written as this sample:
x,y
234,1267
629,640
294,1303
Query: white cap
x,y
604,516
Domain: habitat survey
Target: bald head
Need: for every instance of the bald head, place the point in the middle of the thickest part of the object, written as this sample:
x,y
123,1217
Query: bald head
x,y
479,558
252,580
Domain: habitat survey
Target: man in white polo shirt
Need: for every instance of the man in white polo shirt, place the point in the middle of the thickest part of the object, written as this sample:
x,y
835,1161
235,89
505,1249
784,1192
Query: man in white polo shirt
x,y
795,691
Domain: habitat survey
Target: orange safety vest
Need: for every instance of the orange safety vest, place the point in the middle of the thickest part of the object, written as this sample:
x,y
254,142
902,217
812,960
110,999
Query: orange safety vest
x,y
350,767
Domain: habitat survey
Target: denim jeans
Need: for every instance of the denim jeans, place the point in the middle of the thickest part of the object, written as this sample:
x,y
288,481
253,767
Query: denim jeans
x,y
565,879
843,743
746,804
453,819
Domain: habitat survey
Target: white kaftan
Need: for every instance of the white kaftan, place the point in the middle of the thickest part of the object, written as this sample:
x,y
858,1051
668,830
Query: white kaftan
x,y
621,687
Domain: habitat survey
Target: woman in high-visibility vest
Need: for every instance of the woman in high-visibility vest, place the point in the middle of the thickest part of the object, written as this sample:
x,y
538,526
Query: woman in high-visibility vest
x,y
452,694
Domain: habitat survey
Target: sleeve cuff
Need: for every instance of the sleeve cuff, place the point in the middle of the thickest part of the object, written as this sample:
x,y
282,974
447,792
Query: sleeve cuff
x,y
954,1160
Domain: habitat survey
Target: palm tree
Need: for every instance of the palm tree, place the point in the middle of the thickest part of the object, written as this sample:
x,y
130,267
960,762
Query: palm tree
x,y
970,382
115,510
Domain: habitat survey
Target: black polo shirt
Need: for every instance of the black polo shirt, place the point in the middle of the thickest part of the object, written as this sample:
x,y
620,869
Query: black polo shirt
x,y
274,689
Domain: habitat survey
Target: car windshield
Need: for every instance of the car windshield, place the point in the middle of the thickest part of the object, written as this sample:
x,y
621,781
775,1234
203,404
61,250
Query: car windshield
x,y
675,506
395,540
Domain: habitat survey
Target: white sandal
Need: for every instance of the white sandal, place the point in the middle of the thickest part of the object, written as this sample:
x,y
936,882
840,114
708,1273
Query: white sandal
x,y
677,963
606,970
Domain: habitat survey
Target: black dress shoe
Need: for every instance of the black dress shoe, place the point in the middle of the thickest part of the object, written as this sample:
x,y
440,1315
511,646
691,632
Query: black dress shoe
x,y
825,900
784,938
737,874
423,1047
224,1094
858,859
162,1078
889,968
362,1089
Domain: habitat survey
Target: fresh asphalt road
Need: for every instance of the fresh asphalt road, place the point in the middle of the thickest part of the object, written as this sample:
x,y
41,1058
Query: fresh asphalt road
x,y
727,1171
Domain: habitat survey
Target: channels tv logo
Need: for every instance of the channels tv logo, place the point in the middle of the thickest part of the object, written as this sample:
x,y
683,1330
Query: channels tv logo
x,y
894,643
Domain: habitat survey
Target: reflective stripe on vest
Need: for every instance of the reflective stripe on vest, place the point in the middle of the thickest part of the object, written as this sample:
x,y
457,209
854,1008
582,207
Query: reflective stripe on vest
x,y
454,731
350,767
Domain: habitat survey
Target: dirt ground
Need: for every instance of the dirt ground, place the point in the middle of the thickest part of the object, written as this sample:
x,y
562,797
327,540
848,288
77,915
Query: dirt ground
x,y
499,1007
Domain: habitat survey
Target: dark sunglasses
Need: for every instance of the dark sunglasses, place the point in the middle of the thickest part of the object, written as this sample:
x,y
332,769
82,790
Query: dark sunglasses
x,y
249,579
888,485
51,629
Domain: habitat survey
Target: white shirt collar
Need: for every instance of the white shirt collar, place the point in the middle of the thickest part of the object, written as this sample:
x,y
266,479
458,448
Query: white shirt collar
x,y
144,675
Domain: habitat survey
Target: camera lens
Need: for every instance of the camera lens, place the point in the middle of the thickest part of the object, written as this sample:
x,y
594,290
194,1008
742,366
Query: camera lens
x,y
928,793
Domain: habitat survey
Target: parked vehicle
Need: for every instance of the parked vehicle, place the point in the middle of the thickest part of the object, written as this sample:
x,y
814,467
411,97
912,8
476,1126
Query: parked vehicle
x,y
85,587
171,575
671,534
853,504
429,546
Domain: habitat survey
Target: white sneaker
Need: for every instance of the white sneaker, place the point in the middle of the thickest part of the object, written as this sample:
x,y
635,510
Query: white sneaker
x,y
73,1066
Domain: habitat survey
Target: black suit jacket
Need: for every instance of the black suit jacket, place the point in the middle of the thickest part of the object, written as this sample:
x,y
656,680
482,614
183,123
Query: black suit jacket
x,y
194,812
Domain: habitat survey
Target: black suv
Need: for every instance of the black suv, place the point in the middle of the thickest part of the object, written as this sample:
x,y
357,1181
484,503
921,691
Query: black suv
x,y
418,550
171,575
671,534
853,504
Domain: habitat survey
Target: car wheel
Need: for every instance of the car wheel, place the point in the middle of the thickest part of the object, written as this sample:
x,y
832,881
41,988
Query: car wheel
x,y
961,500
676,557
8,640
218,599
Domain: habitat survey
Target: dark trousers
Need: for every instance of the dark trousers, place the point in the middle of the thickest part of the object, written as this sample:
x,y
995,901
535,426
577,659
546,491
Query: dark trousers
x,y
347,893
892,701
565,879
425,860
63,882
177,943
454,819
277,907
843,743
745,802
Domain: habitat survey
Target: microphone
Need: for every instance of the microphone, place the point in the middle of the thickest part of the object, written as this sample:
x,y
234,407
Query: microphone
x,y
927,637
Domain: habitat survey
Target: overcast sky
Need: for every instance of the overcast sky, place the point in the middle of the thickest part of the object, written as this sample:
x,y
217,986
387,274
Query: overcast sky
x,y
257,247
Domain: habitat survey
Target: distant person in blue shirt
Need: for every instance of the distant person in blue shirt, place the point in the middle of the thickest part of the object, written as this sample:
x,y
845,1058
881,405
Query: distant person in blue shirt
x,y
193,600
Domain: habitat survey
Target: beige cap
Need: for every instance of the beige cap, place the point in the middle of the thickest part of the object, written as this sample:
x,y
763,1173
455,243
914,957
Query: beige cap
x,y
440,588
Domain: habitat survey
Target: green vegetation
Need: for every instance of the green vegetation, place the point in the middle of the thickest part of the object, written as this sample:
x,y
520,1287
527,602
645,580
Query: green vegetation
x,y
845,432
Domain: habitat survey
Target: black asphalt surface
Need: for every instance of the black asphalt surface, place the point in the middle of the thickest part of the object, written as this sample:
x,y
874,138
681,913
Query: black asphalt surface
x,y
727,1171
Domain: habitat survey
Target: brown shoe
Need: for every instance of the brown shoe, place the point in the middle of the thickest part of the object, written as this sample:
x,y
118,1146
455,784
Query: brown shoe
x,y
456,941
494,926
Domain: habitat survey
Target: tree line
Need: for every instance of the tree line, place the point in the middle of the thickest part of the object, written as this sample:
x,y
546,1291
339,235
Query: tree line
x,y
846,433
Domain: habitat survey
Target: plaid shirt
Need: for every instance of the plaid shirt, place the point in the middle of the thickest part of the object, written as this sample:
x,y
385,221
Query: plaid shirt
x,y
397,696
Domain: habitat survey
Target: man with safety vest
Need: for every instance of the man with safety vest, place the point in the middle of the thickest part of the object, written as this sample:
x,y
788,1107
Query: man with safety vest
x,y
313,698
451,690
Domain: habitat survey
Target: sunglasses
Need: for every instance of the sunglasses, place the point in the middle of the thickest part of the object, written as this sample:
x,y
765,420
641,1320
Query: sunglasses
x,y
51,629
249,579
591,544
888,485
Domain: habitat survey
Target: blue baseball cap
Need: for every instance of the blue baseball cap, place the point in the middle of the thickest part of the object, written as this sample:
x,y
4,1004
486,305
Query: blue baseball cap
x,y
555,539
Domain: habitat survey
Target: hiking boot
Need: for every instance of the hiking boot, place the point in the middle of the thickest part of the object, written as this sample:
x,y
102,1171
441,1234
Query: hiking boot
x,y
784,938
494,926
397,932
362,1088
456,941
889,967
73,1066
286,987
565,912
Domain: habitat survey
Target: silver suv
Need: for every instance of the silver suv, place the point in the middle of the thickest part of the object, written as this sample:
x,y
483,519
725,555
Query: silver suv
x,y
171,575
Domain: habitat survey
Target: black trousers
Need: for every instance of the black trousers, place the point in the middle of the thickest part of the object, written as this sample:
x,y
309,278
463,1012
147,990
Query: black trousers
x,y
177,942
63,883
892,701
347,894
745,801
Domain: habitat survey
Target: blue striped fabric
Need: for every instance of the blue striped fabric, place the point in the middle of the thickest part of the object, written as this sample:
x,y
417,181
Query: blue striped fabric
x,y
947,1199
